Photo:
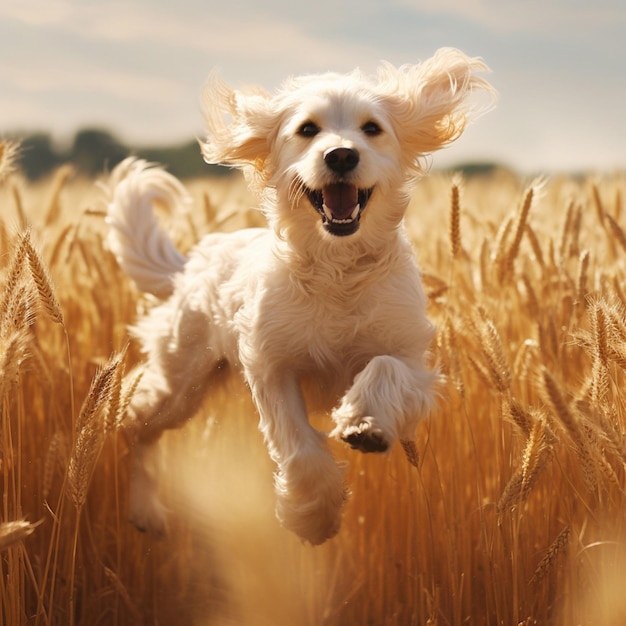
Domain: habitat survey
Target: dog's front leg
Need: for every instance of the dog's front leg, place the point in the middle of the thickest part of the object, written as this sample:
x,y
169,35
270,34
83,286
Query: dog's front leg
x,y
308,482
384,404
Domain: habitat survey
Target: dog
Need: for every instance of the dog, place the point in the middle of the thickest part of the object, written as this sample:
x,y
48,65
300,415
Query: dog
x,y
328,295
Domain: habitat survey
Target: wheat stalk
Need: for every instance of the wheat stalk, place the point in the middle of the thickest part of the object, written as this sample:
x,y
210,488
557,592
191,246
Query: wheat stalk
x,y
90,431
572,425
451,349
13,351
533,303
537,452
508,259
557,549
115,404
14,277
599,372
55,456
617,230
531,235
14,532
121,590
62,175
9,151
519,416
617,212
581,279
564,239
410,451
500,249
561,408
19,207
455,220
597,201
44,285
492,350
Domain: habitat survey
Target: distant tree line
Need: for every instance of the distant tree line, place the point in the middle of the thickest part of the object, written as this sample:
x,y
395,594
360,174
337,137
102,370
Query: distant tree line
x,y
94,151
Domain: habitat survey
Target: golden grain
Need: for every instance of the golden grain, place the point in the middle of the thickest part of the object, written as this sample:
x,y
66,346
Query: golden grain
x,y
410,451
581,280
43,283
455,220
492,350
617,230
597,202
90,430
9,150
557,549
14,276
55,457
14,532
564,239
535,245
532,300
520,416
562,408
518,232
494,424
13,352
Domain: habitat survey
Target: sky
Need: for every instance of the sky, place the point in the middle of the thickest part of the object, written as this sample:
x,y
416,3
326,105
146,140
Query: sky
x,y
136,67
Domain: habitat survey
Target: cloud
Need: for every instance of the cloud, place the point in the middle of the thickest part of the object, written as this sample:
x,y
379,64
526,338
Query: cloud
x,y
227,33
529,16
76,75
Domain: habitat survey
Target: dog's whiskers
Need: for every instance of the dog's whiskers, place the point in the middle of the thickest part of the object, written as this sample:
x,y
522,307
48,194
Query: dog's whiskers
x,y
297,189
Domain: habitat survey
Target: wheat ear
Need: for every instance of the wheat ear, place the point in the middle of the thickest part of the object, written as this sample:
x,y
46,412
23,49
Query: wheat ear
x,y
44,284
519,416
597,201
13,532
518,232
14,276
492,350
90,431
410,451
9,150
557,548
537,453
581,278
455,219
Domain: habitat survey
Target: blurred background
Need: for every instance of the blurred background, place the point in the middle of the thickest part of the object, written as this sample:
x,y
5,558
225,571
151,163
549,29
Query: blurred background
x,y
91,80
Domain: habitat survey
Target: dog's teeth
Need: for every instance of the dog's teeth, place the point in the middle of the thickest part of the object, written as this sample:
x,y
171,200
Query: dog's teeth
x,y
329,215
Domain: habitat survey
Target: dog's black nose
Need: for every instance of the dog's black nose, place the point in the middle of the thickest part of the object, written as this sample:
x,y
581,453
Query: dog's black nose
x,y
341,160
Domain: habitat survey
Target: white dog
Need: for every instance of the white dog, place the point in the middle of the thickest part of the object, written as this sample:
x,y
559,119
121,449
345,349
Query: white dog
x,y
329,294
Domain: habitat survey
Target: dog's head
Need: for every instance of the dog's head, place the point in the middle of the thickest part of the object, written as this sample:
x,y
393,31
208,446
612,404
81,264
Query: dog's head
x,y
339,148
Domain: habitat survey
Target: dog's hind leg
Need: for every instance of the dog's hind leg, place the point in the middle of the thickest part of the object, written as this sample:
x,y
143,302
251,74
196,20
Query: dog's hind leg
x,y
170,391
309,483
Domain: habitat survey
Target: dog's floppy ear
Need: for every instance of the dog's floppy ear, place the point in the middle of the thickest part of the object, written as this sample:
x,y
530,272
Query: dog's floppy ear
x,y
430,104
239,126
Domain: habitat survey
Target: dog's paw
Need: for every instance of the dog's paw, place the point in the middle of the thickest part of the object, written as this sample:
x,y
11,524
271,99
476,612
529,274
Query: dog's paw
x,y
314,522
365,437
310,496
149,516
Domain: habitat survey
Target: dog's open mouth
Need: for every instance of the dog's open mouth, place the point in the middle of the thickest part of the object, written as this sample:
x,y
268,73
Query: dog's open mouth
x,y
340,205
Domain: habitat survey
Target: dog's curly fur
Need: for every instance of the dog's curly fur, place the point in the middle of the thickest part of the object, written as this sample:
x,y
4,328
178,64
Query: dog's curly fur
x,y
330,292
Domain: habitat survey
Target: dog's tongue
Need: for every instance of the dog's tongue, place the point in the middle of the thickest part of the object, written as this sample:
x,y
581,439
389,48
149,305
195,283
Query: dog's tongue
x,y
341,199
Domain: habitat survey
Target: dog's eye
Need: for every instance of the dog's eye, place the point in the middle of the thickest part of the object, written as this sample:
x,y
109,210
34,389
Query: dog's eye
x,y
371,129
308,129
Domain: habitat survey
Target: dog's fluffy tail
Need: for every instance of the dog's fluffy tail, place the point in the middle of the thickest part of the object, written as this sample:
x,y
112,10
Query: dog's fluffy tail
x,y
143,250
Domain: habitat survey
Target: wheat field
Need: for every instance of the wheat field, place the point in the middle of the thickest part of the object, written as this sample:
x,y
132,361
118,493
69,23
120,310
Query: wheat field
x,y
516,515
